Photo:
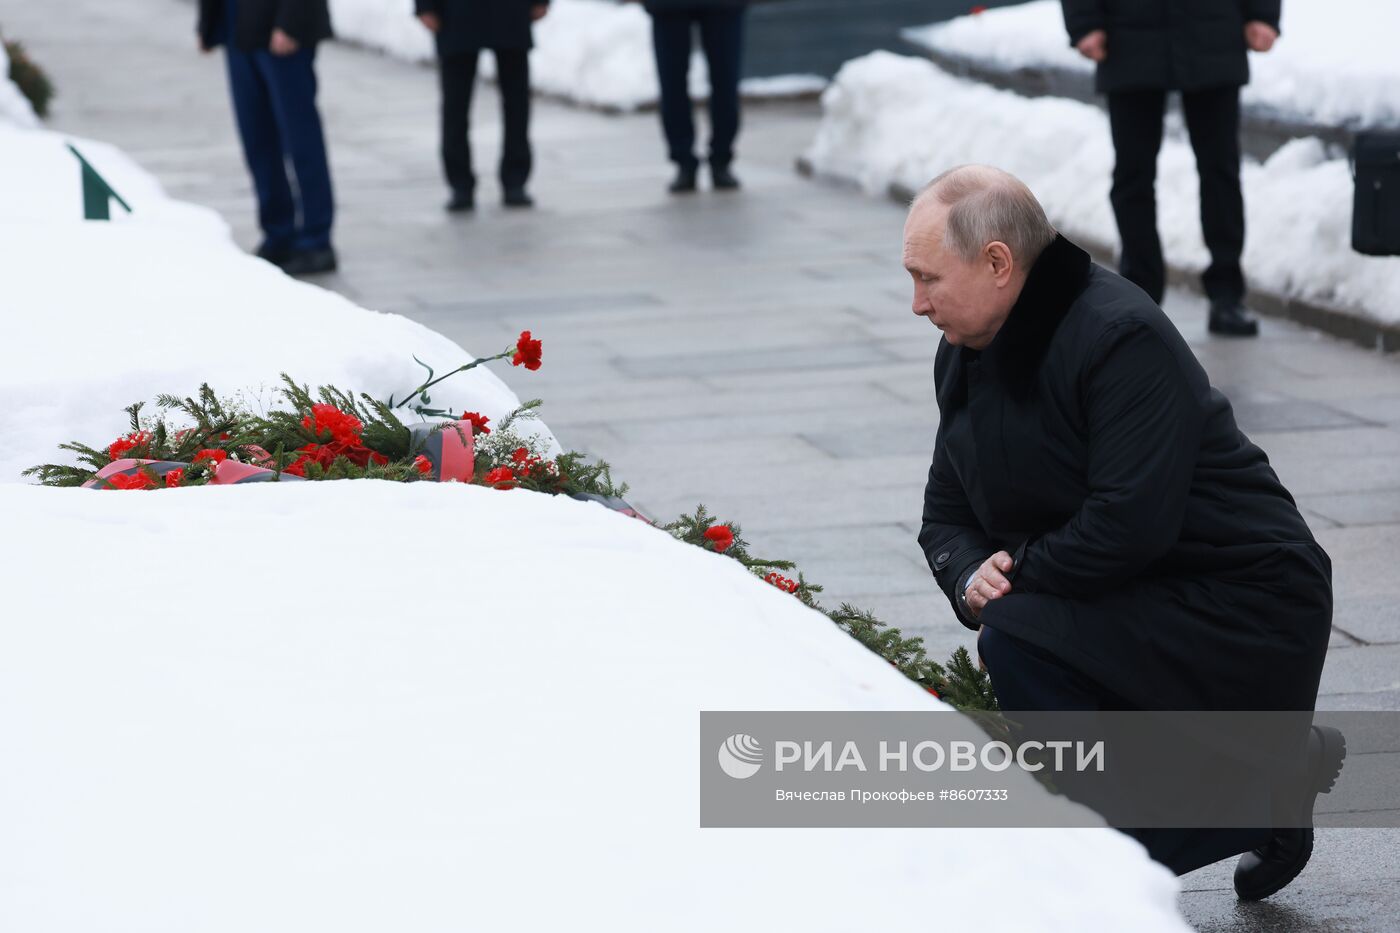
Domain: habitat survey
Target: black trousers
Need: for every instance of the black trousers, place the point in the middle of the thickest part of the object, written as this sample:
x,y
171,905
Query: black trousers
x,y
722,38
1213,123
1027,677
458,75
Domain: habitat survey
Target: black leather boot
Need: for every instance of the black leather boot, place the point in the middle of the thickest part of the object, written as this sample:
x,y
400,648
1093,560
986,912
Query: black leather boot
x,y
723,178
463,200
684,182
1269,868
1231,320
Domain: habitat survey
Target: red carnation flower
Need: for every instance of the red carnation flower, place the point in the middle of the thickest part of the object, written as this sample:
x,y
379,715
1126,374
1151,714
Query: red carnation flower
x,y
122,445
978,9
422,464
343,428
527,352
520,454
174,478
501,478
138,480
210,453
935,693
479,422
720,536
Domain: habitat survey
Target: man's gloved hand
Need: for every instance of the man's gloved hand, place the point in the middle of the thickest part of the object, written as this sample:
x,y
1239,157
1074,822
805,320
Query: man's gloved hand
x,y
988,582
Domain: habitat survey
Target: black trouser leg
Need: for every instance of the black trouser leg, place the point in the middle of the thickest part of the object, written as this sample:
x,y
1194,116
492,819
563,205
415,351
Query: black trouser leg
x,y
458,76
670,33
1213,121
722,37
1028,677
1135,118
513,75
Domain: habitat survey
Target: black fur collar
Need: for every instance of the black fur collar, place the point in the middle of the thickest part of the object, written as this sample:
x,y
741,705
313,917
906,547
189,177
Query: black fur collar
x,y
1059,275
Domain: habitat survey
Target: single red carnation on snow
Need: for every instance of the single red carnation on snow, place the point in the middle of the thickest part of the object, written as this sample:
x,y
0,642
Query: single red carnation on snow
x,y
138,480
174,478
479,422
210,453
501,478
720,536
422,464
934,692
527,352
977,9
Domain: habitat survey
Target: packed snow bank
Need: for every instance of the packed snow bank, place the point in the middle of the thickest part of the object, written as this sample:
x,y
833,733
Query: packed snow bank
x,y
895,120
371,706
1334,64
591,52
15,108
102,314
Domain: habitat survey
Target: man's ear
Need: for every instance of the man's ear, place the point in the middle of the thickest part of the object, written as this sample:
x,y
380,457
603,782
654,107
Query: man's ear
x,y
998,254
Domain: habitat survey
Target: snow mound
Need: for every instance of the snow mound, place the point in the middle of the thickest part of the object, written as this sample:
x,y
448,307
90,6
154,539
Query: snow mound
x,y
1334,63
242,722
896,120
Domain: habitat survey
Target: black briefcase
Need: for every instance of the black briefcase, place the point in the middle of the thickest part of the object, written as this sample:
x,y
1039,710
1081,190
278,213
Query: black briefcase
x,y
1375,214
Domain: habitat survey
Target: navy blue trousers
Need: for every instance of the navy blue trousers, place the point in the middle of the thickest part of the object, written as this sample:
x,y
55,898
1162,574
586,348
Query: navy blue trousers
x,y
722,38
1028,677
274,102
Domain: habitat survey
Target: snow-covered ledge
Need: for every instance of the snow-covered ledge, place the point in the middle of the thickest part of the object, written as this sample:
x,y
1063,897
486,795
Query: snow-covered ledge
x,y
891,122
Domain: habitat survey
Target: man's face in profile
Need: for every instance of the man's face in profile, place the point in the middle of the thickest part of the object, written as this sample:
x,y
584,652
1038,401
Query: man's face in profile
x,y
959,298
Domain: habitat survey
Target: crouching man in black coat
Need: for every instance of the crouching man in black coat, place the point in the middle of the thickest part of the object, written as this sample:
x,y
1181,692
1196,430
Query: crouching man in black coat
x,y
1092,508
461,29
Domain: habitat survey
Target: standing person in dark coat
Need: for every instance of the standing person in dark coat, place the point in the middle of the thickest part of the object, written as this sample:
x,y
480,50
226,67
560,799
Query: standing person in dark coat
x,y
1093,509
462,28
721,25
1145,48
271,70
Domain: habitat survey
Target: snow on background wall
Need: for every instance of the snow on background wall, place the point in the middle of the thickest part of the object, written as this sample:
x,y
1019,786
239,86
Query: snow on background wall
x,y
1335,63
590,52
891,119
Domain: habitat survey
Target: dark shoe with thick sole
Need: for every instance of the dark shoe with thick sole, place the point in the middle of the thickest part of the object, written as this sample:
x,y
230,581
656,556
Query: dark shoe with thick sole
x,y
516,197
310,262
461,202
274,253
684,182
723,179
1271,867
1231,320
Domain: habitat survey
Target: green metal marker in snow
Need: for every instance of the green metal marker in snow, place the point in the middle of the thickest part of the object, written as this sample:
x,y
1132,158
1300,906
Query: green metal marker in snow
x,y
97,194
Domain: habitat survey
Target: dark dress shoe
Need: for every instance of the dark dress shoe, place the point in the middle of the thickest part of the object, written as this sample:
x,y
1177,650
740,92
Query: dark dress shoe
x,y
684,182
310,262
723,178
461,202
1231,320
1269,868
275,253
516,197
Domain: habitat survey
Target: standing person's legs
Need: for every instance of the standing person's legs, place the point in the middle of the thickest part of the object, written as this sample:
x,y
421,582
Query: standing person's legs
x,y
513,75
262,150
670,33
457,74
292,81
1135,118
1213,122
722,36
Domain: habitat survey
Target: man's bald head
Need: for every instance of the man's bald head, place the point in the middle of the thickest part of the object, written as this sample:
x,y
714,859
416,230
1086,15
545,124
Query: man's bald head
x,y
986,205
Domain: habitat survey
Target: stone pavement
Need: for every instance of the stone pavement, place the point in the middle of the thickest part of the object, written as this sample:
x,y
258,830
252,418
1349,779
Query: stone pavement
x,y
751,351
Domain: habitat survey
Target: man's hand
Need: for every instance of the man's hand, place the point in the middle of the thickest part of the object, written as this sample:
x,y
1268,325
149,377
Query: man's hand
x,y
989,582
430,21
1094,46
1259,36
538,11
282,44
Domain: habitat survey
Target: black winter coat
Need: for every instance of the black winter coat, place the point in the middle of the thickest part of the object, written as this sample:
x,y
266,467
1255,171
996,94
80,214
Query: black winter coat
x,y
470,25
307,21
1155,548
672,6
1183,45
